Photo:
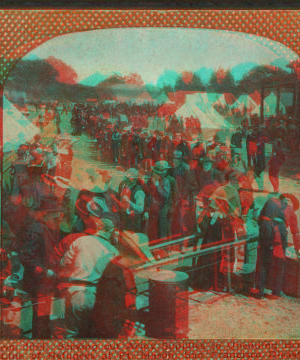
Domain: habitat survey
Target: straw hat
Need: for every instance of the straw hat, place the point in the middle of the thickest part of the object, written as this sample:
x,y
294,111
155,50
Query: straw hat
x,y
132,173
161,167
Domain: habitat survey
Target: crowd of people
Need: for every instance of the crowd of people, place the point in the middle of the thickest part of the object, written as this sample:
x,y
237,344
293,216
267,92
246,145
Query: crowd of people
x,y
280,127
66,233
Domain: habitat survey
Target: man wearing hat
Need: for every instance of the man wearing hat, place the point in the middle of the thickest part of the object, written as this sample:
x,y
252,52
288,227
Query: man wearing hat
x,y
82,266
162,195
132,202
37,243
198,150
183,221
95,185
206,175
185,148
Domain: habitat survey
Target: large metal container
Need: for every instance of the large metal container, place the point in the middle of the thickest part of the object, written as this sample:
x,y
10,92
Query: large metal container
x,y
168,305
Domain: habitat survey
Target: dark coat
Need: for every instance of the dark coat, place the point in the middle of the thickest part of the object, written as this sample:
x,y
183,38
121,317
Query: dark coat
x,y
162,200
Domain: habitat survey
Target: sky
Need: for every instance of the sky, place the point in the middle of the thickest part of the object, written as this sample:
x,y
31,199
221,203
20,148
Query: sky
x,y
151,52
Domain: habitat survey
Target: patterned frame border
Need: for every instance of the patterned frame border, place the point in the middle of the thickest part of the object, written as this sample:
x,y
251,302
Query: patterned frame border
x,y
23,30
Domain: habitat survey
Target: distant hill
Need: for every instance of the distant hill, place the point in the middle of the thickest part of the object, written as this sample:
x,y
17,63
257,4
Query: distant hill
x,y
93,80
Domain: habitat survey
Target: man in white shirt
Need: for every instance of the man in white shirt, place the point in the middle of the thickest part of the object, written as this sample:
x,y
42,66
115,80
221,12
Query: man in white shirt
x,y
82,265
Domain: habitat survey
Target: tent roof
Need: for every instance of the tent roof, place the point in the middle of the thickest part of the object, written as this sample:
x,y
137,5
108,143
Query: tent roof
x,y
17,129
256,97
207,108
226,99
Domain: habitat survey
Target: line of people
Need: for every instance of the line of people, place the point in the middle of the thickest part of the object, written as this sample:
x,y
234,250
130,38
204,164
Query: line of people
x,y
70,239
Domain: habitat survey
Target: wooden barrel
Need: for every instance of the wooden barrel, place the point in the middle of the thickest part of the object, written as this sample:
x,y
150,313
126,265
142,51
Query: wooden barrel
x,y
168,305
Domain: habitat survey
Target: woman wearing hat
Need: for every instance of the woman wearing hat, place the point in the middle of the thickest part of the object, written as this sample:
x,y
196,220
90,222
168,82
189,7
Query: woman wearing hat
x,y
276,216
162,192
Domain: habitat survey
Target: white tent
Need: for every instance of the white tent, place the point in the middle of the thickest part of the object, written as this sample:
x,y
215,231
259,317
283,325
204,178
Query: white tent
x,y
202,101
17,129
270,104
189,109
226,99
247,103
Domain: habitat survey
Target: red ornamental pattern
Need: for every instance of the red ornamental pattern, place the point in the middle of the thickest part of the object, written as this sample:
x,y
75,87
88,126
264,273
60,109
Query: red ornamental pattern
x,y
23,30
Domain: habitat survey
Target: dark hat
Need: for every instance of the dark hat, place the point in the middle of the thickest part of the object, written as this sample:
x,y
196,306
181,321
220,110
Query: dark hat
x,y
98,208
293,199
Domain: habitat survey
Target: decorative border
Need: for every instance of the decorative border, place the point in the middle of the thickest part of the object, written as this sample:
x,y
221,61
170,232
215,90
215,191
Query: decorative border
x,y
23,30
150,349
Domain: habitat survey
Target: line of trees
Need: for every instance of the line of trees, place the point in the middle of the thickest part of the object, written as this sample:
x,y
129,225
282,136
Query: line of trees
x,y
222,81
42,80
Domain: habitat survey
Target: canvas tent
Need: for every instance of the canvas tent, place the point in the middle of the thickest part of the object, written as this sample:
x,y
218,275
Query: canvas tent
x,y
226,99
17,129
270,104
189,109
245,102
256,97
210,116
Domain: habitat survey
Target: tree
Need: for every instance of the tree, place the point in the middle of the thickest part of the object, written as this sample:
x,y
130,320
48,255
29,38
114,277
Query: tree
x,y
251,81
214,84
66,74
197,84
222,81
229,83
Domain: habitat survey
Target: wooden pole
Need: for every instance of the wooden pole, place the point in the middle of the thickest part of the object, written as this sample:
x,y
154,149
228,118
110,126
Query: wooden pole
x,y
262,103
296,100
278,100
